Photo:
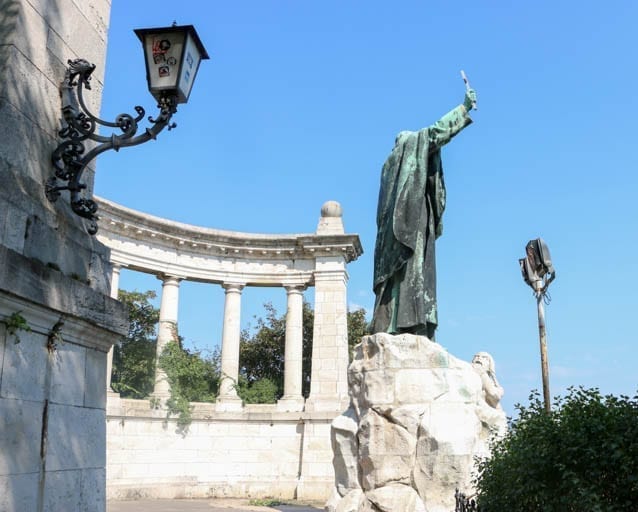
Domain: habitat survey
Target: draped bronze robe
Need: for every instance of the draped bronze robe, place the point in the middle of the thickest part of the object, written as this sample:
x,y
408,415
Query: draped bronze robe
x,y
409,220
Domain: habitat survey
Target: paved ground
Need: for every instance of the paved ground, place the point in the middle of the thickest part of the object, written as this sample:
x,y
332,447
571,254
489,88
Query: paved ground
x,y
216,505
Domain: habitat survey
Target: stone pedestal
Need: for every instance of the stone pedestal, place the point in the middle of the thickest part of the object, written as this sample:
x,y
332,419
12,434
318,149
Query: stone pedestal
x,y
415,422
293,404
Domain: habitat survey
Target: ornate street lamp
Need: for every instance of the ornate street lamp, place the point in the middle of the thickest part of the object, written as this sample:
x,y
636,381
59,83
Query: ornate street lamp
x,y
538,272
172,56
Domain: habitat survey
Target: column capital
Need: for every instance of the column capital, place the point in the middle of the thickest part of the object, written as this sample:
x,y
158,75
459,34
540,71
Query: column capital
x,y
233,287
295,288
331,275
169,279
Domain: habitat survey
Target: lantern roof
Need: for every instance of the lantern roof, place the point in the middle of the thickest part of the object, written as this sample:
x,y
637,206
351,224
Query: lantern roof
x,y
190,29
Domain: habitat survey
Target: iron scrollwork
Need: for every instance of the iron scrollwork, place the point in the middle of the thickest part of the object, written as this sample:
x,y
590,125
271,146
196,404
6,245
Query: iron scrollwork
x,y
79,124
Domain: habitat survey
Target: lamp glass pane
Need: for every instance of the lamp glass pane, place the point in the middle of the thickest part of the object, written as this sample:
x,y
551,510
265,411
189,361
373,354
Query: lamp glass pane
x,y
189,69
163,54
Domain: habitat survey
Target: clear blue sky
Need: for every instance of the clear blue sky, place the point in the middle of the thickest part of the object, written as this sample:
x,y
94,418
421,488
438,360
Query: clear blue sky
x,y
300,104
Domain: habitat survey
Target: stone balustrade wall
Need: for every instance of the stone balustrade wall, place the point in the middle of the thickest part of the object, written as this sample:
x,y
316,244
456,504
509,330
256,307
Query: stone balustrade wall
x,y
256,452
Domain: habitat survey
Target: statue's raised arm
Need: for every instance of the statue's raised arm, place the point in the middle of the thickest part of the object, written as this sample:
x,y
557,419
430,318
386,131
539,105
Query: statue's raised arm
x,y
409,219
452,123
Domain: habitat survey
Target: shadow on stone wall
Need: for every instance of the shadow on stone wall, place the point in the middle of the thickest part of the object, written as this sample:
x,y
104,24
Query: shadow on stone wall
x,y
29,96
33,51
36,40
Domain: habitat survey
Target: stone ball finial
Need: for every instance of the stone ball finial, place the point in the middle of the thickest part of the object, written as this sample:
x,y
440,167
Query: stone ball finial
x,y
331,209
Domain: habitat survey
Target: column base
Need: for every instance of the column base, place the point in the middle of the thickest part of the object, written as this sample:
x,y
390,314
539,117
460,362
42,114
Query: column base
x,y
228,403
161,396
326,404
113,403
291,404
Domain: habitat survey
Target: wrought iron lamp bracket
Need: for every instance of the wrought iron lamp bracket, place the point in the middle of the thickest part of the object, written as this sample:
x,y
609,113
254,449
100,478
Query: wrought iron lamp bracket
x,y
79,124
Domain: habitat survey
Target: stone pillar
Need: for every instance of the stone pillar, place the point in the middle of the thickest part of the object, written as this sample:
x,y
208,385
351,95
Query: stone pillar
x,y
228,398
115,286
166,331
293,357
329,375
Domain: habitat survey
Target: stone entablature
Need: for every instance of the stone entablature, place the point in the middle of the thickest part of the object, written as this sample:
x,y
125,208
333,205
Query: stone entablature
x,y
151,244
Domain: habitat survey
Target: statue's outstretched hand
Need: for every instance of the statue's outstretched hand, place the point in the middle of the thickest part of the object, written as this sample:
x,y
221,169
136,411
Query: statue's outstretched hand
x,y
470,100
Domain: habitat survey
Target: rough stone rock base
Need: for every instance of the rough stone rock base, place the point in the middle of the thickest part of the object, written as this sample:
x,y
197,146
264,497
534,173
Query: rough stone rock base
x,y
415,423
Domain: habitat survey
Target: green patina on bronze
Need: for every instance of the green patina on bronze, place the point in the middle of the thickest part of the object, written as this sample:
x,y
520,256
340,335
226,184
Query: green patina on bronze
x,y
409,220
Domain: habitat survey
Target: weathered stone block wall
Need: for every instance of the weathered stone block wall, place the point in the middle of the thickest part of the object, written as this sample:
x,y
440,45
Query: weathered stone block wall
x,y
52,394
36,40
52,382
255,452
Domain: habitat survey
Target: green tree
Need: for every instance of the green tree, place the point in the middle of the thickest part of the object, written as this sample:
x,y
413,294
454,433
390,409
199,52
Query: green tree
x,y
262,391
193,376
358,327
261,352
134,355
583,456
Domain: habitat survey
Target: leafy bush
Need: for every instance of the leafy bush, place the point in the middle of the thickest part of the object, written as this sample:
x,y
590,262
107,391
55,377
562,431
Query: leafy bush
x,y
261,351
192,376
583,456
262,391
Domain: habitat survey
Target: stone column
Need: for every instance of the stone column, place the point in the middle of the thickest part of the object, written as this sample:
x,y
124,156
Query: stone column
x,y
293,357
228,400
115,285
166,330
329,375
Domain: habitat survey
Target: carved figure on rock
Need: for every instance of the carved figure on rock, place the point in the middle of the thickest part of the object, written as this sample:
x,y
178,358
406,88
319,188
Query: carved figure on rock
x,y
489,409
409,212
483,363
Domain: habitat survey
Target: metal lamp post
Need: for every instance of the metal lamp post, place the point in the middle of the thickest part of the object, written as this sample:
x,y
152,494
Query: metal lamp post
x,y
172,56
538,272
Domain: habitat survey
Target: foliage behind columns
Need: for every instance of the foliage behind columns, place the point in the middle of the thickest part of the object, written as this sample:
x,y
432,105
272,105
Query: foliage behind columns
x,y
261,353
134,355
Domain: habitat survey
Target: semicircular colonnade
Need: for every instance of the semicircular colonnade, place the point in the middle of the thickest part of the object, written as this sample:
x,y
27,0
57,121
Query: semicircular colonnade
x,y
175,251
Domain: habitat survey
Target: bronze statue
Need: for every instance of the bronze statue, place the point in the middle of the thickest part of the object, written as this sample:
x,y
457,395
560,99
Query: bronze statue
x,y
411,204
